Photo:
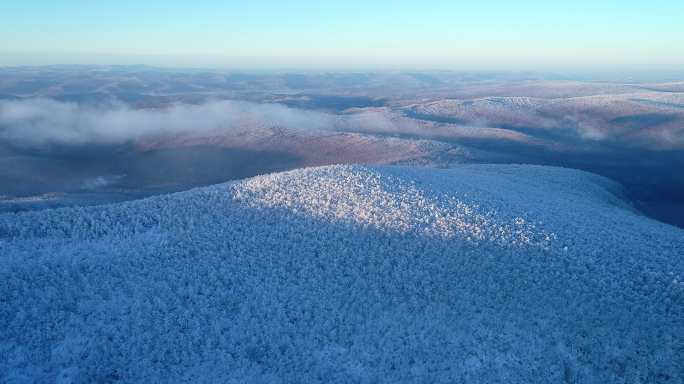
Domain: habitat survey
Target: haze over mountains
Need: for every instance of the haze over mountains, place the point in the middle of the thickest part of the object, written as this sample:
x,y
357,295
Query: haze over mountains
x,y
77,134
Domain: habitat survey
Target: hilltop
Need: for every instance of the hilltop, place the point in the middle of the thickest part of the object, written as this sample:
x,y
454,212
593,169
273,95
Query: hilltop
x,y
480,273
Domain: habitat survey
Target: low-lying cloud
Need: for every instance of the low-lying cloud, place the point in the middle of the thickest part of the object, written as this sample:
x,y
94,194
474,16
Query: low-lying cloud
x,y
45,121
36,122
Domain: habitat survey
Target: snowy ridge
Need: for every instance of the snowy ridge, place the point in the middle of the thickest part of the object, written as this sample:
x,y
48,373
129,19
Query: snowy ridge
x,y
481,273
367,197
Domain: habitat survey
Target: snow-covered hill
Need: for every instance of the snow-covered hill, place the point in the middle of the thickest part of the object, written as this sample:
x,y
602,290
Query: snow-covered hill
x,y
647,120
481,273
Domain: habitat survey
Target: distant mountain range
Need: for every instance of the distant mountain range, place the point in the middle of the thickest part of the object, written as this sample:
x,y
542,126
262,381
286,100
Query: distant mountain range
x,y
630,130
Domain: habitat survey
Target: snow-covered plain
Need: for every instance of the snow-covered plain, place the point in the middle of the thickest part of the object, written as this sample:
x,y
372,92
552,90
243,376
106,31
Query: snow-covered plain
x,y
481,273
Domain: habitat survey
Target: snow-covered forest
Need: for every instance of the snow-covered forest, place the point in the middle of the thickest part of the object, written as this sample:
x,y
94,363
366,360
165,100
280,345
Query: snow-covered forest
x,y
480,273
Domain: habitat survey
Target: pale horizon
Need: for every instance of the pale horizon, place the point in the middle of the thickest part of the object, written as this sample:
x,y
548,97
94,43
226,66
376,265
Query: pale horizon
x,y
304,34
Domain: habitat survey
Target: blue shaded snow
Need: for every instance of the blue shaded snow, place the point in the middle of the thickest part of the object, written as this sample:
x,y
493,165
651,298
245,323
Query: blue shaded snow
x,y
481,273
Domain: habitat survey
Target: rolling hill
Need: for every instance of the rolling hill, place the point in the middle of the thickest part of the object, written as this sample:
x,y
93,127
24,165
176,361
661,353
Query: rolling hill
x,y
480,273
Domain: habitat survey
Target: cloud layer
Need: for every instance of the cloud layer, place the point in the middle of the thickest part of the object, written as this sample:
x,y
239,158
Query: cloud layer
x,y
44,121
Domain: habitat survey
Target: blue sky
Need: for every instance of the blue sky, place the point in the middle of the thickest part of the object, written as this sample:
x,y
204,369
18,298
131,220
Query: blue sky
x,y
346,34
